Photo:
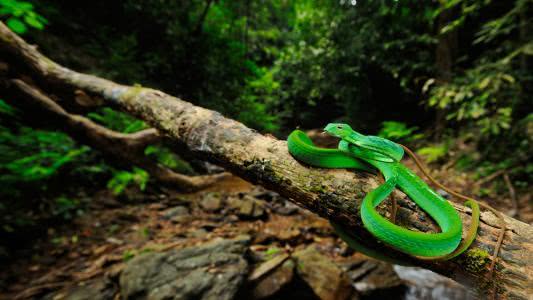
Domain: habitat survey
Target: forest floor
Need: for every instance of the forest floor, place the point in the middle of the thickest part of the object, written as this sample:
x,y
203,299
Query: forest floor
x,y
110,234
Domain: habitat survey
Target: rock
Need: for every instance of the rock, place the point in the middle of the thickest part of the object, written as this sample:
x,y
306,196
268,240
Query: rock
x,y
260,193
247,208
443,193
211,202
177,211
115,241
232,218
157,206
272,282
178,199
425,284
286,208
234,202
250,208
275,202
375,279
181,219
178,214
99,289
268,266
326,279
210,271
198,233
279,228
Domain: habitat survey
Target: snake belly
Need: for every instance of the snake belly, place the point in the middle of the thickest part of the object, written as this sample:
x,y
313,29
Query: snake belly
x,y
396,176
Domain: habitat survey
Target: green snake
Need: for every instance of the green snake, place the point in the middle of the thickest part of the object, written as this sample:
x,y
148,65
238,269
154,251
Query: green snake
x,y
363,152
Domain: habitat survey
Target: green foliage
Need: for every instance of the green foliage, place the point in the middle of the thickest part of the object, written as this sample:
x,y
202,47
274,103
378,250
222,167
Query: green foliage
x,y
117,121
465,162
20,15
120,61
398,131
30,155
169,159
490,93
43,164
484,96
433,153
122,179
7,110
256,104
128,255
32,165
335,52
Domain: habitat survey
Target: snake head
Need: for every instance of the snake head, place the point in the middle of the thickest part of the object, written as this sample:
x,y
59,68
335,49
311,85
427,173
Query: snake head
x,y
369,147
338,130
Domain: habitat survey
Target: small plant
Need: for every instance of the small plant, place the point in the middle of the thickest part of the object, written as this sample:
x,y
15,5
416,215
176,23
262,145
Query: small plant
x,y
127,255
122,179
271,252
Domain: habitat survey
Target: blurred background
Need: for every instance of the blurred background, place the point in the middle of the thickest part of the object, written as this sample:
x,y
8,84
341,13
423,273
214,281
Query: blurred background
x,y
450,78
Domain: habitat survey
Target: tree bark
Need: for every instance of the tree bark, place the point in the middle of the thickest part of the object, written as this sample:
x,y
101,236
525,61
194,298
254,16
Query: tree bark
x,y
332,194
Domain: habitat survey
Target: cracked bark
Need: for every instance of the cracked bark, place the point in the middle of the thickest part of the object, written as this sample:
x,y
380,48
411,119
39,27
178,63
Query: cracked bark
x,y
333,194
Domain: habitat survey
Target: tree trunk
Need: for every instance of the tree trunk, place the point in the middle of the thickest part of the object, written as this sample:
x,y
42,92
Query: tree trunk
x,y
444,58
332,194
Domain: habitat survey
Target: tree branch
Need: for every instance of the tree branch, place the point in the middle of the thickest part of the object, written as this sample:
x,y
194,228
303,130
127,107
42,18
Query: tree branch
x,y
333,194
125,148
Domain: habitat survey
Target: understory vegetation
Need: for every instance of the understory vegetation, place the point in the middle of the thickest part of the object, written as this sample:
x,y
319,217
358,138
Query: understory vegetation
x,y
450,78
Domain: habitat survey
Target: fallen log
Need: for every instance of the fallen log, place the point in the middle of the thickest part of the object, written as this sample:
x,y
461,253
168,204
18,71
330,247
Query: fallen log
x,y
332,194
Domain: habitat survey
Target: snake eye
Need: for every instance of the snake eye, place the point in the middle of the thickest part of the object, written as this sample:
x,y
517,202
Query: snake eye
x,y
339,127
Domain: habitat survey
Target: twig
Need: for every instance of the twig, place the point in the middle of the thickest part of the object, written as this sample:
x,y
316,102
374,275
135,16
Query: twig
x,y
514,211
490,177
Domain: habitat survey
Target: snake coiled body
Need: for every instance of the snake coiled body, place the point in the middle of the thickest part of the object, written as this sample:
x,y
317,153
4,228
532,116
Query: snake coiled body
x,y
350,155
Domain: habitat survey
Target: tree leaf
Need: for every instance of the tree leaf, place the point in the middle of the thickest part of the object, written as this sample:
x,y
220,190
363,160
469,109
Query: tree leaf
x,y
33,22
16,25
